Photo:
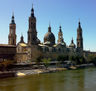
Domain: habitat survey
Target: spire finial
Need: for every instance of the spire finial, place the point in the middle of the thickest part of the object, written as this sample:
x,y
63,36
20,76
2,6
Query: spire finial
x,y
60,27
79,24
60,30
72,40
13,13
49,28
32,11
13,21
79,21
49,24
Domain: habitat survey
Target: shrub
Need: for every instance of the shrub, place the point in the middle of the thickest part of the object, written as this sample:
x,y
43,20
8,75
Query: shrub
x,y
46,62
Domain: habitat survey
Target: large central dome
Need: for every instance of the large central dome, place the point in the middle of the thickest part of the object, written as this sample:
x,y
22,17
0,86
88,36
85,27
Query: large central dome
x,y
49,38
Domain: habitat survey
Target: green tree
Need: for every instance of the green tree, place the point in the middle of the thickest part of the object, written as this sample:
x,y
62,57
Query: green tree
x,y
91,58
82,60
38,60
72,59
46,62
62,58
77,59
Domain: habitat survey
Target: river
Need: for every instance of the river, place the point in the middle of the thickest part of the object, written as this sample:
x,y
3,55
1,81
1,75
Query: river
x,y
70,80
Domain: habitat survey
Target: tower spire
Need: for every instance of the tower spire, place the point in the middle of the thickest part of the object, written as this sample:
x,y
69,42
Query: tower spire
x,y
32,31
12,20
60,30
72,40
49,28
12,32
32,11
79,24
79,36
60,37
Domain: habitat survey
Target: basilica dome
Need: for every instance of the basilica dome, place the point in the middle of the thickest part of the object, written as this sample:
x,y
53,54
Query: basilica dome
x,y
72,45
49,38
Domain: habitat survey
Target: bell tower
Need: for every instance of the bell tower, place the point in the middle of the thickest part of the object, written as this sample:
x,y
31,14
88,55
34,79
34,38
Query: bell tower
x,y
60,36
79,37
12,32
32,32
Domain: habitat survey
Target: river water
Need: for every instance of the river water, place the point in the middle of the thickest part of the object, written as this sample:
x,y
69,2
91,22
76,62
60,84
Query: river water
x,y
70,80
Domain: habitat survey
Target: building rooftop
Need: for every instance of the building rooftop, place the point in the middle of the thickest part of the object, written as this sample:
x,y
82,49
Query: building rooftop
x,y
23,44
6,45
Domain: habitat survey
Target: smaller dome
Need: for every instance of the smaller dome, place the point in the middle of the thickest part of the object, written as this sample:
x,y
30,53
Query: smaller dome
x,y
49,37
22,39
72,45
22,43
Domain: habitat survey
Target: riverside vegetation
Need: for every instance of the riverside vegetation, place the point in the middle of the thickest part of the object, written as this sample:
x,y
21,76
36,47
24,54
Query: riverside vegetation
x,y
75,60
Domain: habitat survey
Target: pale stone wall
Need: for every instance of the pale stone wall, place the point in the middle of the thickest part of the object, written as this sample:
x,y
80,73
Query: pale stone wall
x,y
21,57
34,52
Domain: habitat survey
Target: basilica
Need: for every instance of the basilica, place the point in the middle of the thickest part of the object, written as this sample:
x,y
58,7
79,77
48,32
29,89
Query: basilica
x,y
31,50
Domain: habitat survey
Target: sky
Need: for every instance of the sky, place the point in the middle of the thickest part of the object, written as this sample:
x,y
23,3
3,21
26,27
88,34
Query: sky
x,y
58,12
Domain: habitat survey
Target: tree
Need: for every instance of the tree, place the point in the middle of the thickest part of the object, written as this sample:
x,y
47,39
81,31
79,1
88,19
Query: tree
x,y
46,62
94,61
72,59
62,58
38,60
91,58
77,59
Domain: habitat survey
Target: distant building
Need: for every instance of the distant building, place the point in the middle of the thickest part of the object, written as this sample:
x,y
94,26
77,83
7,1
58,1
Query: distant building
x,y
33,49
12,32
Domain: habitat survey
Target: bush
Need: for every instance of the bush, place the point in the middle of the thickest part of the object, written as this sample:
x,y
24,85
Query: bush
x,y
38,60
62,58
46,62
5,64
91,58
77,59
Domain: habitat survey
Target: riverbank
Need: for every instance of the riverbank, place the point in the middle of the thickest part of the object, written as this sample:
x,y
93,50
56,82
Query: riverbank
x,y
25,72
38,71
6,74
30,71
50,70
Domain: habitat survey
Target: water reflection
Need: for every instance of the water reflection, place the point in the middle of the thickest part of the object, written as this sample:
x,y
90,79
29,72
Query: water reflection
x,y
75,80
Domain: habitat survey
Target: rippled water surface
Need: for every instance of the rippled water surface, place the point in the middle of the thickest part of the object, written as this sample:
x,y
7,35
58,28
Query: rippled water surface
x,y
71,80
